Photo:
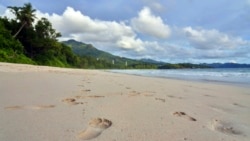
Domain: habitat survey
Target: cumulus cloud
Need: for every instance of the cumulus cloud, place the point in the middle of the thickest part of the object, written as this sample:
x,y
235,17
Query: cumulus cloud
x,y
203,45
183,44
76,25
7,13
211,39
131,42
74,22
149,24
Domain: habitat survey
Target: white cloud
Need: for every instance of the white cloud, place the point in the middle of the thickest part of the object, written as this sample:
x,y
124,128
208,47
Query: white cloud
x,y
211,39
8,14
184,44
149,24
76,25
72,22
130,43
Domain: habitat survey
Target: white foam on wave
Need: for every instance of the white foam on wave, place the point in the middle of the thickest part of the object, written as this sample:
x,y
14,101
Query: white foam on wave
x,y
235,75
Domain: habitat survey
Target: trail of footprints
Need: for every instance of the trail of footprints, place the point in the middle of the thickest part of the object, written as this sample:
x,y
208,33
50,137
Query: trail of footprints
x,y
97,125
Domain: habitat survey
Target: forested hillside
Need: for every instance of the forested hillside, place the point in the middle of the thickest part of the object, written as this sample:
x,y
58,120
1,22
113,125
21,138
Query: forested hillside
x,y
88,50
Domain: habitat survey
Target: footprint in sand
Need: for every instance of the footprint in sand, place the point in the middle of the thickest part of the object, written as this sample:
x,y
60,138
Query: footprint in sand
x,y
38,107
207,95
224,127
183,114
133,93
171,96
160,99
239,105
14,107
95,96
128,88
87,90
95,128
70,101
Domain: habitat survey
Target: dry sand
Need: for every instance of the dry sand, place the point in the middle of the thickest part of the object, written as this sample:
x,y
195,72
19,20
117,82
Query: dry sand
x,y
53,104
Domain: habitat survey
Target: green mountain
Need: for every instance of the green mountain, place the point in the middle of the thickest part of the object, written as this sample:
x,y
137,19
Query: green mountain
x,y
83,50
116,62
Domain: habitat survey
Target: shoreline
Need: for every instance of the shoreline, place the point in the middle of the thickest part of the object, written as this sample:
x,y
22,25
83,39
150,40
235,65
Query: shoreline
x,y
220,82
47,103
42,68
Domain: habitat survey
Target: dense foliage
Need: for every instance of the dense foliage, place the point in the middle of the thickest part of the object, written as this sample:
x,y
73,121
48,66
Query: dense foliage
x,y
11,50
23,41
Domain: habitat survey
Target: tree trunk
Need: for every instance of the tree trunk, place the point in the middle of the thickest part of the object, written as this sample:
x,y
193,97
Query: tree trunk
x,y
20,29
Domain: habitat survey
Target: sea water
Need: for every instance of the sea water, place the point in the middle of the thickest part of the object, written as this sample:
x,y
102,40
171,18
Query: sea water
x,y
240,76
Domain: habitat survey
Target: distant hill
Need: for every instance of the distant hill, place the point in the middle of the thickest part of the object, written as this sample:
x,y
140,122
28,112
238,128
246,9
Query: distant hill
x,y
228,65
146,60
83,49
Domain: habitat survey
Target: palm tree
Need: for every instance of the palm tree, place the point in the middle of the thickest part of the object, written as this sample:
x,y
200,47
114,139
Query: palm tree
x,y
25,15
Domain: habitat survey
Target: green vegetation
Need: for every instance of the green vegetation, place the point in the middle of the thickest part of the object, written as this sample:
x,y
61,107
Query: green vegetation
x,y
23,41
101,59
11,50
182,66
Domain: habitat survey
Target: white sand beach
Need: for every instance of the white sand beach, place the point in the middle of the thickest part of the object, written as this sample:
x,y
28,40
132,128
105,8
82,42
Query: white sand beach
x,y
39,103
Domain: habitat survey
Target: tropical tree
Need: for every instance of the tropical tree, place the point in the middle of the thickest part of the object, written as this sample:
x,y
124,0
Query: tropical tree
x,y
45,30
25,15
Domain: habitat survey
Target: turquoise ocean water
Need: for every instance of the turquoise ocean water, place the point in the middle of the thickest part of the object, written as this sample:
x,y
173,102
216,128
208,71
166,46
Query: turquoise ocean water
x,y
239,76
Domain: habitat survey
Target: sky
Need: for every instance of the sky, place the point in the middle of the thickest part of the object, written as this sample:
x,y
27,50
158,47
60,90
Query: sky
x,y
174,31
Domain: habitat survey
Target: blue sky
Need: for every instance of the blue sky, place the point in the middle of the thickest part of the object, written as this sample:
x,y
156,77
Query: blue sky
x,y
167,30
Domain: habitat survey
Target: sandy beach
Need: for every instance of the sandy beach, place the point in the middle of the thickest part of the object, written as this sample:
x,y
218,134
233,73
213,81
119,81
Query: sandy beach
x,y
39,103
